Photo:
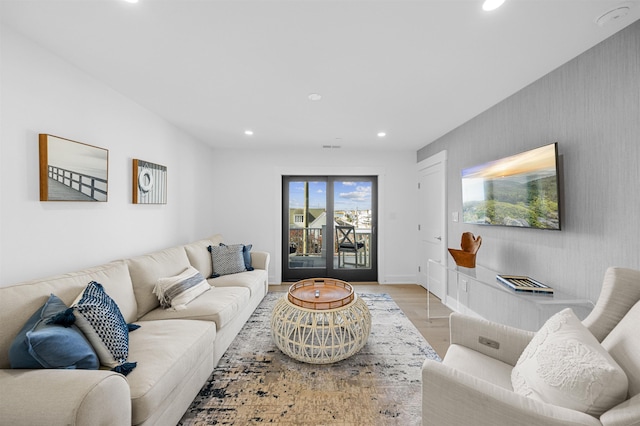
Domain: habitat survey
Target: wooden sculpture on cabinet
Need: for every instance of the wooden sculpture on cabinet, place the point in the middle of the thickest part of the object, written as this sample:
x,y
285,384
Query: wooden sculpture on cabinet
x,y
467,256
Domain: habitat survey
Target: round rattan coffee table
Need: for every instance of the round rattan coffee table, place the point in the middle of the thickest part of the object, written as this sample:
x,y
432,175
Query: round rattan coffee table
x,y
320,321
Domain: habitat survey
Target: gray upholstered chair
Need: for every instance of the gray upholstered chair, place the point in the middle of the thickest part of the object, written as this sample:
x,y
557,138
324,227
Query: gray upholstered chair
x,y
472,385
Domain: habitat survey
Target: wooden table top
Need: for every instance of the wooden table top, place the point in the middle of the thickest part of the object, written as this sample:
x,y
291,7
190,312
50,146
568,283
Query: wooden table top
x,y
321,293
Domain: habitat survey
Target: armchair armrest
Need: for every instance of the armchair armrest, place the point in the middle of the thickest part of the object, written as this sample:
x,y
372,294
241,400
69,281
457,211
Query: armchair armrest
x,y
624,414
260,259
64,397
468,331
451,397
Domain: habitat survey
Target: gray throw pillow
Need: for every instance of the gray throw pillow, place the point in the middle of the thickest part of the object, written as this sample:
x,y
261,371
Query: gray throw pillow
x,y
227,259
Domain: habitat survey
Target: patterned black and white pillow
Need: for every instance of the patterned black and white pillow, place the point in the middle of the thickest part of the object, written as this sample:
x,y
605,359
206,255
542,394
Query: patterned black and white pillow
x,y
177,291
227,259
102,323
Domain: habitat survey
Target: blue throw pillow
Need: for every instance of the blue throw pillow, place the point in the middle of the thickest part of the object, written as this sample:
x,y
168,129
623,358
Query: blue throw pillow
x,y
101,321
246,253
43,345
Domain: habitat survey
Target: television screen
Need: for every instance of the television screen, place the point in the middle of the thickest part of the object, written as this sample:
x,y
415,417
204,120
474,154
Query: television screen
x,y
521,190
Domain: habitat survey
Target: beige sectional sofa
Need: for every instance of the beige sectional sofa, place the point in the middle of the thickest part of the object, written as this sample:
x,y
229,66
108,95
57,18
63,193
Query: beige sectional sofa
x,y
175,350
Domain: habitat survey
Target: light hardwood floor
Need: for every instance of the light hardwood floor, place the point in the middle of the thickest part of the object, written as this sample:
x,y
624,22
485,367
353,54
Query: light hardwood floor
x,y
412,299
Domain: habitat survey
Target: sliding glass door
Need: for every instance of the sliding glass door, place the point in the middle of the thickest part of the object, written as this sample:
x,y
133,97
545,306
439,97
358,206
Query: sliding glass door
x,y
329,227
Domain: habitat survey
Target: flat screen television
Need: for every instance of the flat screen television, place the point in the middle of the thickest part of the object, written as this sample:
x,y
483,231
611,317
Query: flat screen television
x,y
521,191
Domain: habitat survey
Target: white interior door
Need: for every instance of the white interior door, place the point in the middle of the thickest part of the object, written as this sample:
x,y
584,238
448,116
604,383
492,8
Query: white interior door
x,y
432,241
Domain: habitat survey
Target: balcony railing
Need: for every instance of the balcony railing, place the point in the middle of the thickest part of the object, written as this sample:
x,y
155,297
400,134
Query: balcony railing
x,y
306,247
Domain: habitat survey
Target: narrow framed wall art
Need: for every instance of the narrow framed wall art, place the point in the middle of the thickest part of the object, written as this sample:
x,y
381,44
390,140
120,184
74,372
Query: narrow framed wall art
x,y
149,183
72,171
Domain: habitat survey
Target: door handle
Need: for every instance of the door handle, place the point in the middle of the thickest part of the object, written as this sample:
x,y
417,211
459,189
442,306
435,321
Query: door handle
x,y
438,238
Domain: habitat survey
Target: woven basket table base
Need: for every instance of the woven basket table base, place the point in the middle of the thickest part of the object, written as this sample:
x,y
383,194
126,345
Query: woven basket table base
x,y
320,336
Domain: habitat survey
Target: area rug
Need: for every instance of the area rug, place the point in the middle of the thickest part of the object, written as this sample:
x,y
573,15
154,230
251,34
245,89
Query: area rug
x,y
256,383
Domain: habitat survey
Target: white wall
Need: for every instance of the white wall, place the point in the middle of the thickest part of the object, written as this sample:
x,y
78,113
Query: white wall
x,y
40,93
247,192
591,107
233,192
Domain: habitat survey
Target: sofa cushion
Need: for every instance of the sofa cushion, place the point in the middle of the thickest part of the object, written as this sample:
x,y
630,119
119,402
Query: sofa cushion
x,y
99,318
199,255
177,291
19,302
565,365
43,345
167,353
219,305
255,281
623,344
227,259
147,269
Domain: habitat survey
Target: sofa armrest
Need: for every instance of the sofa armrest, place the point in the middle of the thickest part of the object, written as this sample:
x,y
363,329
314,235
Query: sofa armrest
x,y
626,413
64,397
451,397
260,259
468,331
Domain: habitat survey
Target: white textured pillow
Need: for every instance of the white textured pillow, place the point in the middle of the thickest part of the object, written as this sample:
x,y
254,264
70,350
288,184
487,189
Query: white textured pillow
x,y
565,365
176,292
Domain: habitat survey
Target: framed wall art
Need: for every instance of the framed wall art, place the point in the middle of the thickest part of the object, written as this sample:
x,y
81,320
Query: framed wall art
x,y
149,183
72,171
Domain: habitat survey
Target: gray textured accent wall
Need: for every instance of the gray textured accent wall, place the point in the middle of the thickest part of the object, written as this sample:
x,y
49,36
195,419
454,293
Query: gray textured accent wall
x,y
591,107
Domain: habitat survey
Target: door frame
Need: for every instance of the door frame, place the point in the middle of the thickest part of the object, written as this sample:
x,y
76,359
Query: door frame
x,y
439,158
330,270
379,172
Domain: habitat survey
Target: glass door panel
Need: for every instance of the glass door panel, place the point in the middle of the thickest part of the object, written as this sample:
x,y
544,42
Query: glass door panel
x,y
352,216
306,224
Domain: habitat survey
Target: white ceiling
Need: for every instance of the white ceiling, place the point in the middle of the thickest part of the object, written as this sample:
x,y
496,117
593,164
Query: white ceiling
x,y
413,69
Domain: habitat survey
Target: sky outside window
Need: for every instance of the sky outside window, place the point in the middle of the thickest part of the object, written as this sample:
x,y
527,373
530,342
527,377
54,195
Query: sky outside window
x,y
348,195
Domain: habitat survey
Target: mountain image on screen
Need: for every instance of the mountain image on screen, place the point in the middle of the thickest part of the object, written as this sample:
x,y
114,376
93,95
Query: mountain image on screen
x,y
520,191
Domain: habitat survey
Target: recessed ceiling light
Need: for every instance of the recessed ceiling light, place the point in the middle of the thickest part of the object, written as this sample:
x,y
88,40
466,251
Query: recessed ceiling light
x,y
131,1
490,5
381,134
314,97
617,12
248,132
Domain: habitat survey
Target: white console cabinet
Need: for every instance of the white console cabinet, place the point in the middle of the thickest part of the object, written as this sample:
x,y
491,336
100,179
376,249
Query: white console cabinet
x,y
477,292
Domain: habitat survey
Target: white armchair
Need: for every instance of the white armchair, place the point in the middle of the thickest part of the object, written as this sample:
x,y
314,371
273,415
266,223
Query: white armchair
x,y
472,385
